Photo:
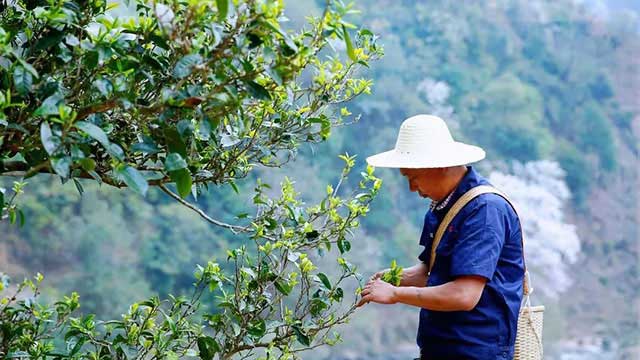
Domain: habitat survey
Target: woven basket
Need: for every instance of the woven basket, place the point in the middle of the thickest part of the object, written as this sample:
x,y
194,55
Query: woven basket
x,y
529,337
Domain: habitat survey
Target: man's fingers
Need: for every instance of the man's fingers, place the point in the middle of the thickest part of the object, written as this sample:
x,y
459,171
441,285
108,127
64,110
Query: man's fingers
x,y
363,301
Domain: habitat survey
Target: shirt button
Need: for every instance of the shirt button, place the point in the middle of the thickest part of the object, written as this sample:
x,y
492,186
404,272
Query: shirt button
x,y
430,235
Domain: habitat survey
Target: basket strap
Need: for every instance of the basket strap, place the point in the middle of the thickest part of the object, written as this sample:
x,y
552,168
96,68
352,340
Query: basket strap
x,y
453,211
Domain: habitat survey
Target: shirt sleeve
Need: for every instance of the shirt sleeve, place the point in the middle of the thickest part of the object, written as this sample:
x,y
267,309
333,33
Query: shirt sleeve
x,y
479,243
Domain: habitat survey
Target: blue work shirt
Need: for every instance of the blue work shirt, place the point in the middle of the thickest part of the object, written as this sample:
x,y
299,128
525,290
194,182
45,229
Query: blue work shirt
x,y
484,239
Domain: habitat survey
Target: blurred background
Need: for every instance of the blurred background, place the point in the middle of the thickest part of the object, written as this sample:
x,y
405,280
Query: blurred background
x,y
550,89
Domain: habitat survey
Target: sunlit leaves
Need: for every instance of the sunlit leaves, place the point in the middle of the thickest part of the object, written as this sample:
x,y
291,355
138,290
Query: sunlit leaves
x,y
223,9
349,44
198,95
218,83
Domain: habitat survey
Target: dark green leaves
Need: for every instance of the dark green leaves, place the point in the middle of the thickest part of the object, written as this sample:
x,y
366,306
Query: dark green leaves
x,y
133,179
95,132
22,79
147,146
257,91
49,141
208,347
257,329
284,288
184,66
325,280
49,106
174,162
343,245
61,165
301,336
176,166
175,142
182,178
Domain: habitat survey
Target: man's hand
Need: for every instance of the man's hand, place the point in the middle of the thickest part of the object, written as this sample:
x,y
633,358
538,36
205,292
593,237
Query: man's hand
x,y
379,292
378,275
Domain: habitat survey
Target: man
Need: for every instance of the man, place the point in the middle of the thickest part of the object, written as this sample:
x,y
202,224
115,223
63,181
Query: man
x,y
471,299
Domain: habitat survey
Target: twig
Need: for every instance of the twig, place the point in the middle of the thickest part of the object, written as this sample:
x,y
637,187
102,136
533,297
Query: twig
x,y
234,228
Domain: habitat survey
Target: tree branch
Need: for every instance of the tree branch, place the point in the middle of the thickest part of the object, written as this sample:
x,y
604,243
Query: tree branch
x,y
234,228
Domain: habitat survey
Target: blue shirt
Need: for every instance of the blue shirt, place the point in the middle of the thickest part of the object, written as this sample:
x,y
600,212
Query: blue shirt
x,y
484,239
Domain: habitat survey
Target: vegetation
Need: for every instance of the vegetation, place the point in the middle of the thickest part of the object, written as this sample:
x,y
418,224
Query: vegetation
x,y
196,94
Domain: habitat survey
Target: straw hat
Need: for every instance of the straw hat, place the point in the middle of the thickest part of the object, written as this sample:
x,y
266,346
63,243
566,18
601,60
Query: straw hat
x,y
424,141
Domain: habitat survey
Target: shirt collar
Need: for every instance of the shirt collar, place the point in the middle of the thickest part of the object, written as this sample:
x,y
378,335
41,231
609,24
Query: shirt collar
x,y
470,180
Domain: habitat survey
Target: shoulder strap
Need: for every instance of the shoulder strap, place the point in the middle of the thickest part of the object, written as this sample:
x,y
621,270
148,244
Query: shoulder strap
x,y
453,211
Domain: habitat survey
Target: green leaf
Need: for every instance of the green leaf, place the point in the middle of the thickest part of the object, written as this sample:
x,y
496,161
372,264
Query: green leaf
x,y
104,86
312,234
87,164
49,141
301,336
208,347
116,151
347,40
61,165
223,9
52,37
234,187
316,306
258,328
133,179
147,146
325,280
174,142
344,245
49,106
184,66
338,295
174,162
78,186
23,80
95,132
282,287
271,223
182,178
29,68
257,91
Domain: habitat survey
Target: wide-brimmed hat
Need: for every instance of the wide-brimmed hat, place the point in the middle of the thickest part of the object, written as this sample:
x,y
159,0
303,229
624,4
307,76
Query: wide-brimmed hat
x,y
424,141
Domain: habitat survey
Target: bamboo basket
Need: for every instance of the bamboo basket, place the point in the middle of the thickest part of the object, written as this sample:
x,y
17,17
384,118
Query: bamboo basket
x,y
529,336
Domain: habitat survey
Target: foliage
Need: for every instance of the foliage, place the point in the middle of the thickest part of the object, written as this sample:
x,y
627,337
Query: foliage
x,y
196,94
393,275
273,297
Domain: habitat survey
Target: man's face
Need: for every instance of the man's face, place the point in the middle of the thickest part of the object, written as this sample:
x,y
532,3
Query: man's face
x,y
422,180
